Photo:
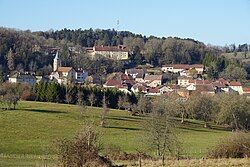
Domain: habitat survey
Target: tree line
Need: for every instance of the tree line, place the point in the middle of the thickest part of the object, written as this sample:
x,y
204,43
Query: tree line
x,y
74,94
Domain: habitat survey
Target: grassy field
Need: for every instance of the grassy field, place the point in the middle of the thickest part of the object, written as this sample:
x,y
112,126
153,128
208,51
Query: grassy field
x,y
32,129
240,56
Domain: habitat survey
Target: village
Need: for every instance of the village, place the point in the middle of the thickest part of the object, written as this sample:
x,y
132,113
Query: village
x,y
184,78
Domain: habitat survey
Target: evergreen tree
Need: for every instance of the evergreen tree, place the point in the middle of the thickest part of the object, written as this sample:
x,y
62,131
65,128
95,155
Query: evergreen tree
x,y
10,60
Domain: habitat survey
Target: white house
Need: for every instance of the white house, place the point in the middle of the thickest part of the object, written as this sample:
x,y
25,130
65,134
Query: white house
x,y
153,80
236,86
23,78
183,81
139,87
137,74
177,68
163,89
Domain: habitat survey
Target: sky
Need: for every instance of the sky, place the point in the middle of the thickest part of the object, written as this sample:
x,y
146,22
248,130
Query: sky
x,y
216,22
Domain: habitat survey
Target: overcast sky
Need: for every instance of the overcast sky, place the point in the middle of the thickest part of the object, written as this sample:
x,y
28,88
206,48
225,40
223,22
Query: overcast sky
x,y
217,22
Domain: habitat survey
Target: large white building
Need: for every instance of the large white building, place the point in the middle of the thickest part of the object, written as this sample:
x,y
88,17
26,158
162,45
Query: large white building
x,y
119,52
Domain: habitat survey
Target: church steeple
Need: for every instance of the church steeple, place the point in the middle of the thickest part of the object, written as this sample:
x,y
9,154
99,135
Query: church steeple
x,y
57,62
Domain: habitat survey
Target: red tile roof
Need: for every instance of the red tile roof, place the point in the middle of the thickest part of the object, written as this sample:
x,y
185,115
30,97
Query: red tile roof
x,y
205,88
246,89
153,90
139,86
235,84
126,77
113,83
64,69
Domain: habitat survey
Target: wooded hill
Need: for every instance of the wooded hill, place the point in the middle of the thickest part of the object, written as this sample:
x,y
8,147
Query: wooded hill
x,y
30,51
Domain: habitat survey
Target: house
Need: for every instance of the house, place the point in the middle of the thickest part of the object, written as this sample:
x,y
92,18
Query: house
x,y
81,75
220,87
153,92
183,81
23,78
111,83
63,75
153,80
137,74
246,91
205,89
129,83
198,67
139,87
119,52
174,68
177,68
236,86
164,89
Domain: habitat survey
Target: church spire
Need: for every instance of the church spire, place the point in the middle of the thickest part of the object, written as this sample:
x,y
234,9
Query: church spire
x,y
57,62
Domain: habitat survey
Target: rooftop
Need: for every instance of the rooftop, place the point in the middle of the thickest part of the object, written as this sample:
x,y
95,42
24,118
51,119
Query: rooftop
x,y
153,77
64,69
119,48
234,84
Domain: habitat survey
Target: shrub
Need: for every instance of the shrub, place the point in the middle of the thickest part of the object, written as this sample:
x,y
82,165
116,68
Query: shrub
x,y
81,151
235,146
28,95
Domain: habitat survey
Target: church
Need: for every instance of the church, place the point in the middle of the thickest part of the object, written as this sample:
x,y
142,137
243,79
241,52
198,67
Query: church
x,y
62,75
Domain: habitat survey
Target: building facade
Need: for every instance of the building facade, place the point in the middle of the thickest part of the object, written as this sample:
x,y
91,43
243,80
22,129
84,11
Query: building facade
x,y
112,52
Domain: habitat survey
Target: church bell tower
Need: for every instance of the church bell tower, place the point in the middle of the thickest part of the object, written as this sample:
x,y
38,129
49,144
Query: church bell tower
x,y
57,62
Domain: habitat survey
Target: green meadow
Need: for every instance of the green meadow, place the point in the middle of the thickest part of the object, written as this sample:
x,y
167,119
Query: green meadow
x,y
32,129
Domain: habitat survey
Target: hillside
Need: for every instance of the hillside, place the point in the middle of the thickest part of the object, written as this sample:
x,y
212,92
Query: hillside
x,y
34,126
242,56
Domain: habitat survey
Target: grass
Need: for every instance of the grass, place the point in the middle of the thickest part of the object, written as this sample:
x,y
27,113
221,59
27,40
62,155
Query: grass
x,y
192,163
34,126
240,56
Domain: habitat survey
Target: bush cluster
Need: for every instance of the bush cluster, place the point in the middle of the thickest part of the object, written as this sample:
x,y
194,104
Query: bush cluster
x,y
235,146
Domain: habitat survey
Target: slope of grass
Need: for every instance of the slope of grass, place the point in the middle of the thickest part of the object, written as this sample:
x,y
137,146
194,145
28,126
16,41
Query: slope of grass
x,y
240,56
34,126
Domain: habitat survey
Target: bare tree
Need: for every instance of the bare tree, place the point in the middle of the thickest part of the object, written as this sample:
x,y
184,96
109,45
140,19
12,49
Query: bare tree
x,y
144,104
81,103
159,132
105,111
92,99
120,102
